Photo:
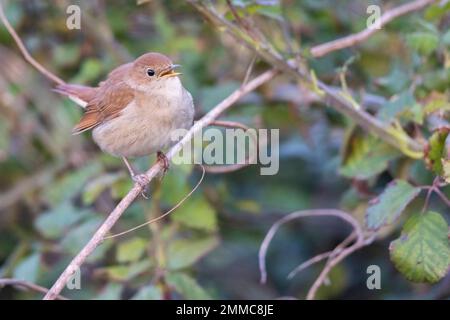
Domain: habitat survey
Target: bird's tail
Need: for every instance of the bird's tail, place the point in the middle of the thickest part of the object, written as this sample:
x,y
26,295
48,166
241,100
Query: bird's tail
x,y
81,95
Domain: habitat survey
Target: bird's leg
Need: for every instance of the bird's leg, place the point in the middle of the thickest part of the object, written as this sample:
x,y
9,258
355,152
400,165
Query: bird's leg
x,y
162,157
141,179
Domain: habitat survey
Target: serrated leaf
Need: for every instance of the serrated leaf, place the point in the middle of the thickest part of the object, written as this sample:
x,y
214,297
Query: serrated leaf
x,y
366,157
387,208
131,250
185,252
422,253
436,151
187,286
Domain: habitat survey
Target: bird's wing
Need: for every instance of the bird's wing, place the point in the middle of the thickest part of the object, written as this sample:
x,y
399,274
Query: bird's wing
x,y
110,99
82,95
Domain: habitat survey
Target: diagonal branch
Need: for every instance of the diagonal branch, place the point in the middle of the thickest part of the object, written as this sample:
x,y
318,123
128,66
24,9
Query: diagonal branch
x,y
391,135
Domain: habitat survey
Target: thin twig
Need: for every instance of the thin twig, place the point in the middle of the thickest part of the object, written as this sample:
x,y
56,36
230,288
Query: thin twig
x,y
27,285
101,232
300,214
24,50
335,259
248,73
442,196
322,256
354,39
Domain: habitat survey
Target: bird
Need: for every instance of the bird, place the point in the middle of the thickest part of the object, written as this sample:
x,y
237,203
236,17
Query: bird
x,y
134,110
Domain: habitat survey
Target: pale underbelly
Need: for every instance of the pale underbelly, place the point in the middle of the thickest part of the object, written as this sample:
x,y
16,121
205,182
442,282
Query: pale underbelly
x,y
136,135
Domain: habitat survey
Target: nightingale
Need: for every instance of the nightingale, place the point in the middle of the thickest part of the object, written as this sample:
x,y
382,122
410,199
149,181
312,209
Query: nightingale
x,y
133,112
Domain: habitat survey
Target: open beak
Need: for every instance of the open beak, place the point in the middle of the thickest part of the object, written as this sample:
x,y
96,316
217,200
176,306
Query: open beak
x,y
170,72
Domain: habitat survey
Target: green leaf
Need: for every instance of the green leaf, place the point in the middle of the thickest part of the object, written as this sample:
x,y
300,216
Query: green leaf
x,y
52,224
28,268
90,70
71,184
397,80
111,291
446,170
95,187
423,42
403,104
446,38
187,286
422,253
211,96
184,252
125,272
437,11
389,205
366,157
148,293
131,250
439,102
436,151
196,213
79,236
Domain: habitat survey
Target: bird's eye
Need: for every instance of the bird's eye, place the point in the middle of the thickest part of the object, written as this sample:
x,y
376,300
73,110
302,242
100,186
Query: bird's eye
x,y
150,72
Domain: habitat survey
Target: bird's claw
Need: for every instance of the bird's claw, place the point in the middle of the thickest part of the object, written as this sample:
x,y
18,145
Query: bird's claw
x,y
165,161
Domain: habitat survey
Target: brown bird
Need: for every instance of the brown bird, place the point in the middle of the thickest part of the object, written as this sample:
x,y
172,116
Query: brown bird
x,y
133,112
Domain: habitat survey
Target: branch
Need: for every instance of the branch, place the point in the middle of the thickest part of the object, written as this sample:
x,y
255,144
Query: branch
x,y
334,260
157,168
300,214
27,285
354,39
334,257
391,135
322,256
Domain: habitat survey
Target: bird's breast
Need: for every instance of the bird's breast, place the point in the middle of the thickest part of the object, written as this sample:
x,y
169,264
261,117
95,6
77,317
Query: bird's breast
x,y
146,124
